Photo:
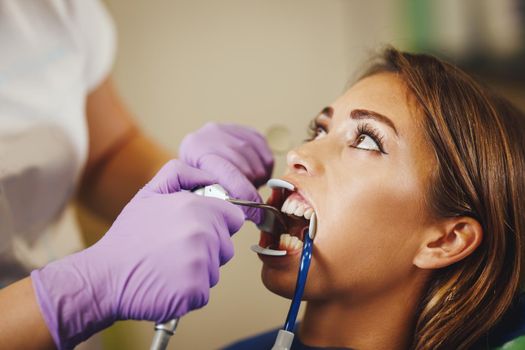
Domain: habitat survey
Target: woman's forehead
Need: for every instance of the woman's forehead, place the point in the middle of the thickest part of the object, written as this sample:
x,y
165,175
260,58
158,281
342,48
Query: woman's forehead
x,y
384,93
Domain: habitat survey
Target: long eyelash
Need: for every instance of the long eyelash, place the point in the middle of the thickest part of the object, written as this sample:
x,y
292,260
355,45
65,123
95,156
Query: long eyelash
x,y
367,129
362,129
313,128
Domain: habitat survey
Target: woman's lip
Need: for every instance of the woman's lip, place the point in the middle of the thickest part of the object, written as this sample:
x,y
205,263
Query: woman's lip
x,y
281,261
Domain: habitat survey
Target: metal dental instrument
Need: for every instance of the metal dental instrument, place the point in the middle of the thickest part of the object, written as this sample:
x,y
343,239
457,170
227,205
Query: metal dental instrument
x,y
285,336
273,223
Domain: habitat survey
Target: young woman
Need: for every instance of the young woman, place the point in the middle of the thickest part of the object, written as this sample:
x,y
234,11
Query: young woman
x,y
416,175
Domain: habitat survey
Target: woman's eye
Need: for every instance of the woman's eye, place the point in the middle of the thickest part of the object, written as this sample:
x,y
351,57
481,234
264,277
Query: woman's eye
x,y
315,131
367,143
319,132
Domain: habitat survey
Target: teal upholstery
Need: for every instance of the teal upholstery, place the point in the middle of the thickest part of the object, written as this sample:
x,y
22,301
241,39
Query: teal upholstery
x,y
510,334
514,344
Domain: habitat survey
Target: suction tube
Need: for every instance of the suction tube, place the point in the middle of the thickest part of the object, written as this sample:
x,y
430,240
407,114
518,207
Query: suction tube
x,y
285,336
306,257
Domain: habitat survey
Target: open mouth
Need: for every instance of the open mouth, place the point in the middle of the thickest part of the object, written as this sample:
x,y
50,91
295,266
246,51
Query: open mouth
x,y
298,213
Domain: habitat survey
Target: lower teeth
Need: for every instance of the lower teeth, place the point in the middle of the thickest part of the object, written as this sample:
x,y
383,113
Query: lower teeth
x,y
289,242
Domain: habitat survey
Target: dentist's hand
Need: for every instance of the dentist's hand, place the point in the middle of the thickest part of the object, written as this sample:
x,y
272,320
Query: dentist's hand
x,y
157,261
238,156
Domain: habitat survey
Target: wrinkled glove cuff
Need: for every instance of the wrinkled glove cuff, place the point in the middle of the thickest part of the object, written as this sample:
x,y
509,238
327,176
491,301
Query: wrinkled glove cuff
x,y
67,304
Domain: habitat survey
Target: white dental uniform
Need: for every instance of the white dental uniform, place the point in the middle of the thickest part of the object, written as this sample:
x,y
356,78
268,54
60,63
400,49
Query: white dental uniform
x,y
52,54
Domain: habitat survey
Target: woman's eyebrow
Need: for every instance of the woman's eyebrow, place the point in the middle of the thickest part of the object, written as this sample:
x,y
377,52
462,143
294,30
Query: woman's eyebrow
x,y
326,112
358,114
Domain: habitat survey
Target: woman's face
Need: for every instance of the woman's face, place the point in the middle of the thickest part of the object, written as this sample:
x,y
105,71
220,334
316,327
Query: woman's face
x,y
365,174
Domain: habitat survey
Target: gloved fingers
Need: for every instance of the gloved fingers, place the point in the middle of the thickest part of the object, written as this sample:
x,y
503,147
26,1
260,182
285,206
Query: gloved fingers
x,y
212,246
251,147
196,293
197,269
244,157
228,218
214,262
238,155
227,251
176,175
220,257
231,215
237,185
261,173
190,178
231,142
254,137
186,146
200,142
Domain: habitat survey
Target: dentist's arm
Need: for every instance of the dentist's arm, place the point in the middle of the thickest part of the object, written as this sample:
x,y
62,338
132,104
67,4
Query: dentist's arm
x,y
121,157
23,326
158,261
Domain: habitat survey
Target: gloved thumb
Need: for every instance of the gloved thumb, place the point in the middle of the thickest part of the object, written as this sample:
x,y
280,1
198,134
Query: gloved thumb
x,y
236,184
175,176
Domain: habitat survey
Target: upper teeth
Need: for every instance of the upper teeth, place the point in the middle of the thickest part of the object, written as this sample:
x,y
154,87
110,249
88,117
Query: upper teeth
x,y
296,207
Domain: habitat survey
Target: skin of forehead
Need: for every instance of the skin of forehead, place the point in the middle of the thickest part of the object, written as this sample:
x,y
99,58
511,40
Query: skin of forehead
x,y
384,93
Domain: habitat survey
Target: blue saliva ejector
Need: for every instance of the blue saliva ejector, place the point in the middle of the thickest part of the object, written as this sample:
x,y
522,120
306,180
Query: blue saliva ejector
x,y
285,336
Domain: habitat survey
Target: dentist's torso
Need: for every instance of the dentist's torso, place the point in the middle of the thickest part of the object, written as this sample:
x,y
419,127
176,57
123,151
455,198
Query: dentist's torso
x,y
54,52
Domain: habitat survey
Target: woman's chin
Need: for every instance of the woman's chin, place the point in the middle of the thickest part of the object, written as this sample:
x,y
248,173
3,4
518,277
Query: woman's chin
x,y
279,282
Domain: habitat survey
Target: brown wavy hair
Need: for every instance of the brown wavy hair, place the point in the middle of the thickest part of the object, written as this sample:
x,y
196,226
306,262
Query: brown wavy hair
x,y
478,142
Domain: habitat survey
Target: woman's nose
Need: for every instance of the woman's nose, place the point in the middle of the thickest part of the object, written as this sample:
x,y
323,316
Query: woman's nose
x,y
300,162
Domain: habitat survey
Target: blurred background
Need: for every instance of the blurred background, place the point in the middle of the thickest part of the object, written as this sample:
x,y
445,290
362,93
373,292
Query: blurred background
x,y
273,65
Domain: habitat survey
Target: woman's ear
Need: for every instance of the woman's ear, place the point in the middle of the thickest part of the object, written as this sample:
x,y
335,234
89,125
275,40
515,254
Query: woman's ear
x,y
450,241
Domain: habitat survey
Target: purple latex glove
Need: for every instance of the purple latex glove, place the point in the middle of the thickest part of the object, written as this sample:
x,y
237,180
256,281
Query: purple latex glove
x,y
238,156
157,261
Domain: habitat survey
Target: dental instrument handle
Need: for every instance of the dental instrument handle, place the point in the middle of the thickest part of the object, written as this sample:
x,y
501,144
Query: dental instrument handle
x,y
164,331
214,191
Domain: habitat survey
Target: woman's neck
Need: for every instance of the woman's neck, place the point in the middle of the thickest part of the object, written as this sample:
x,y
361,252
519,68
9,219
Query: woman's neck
x,y
382,322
